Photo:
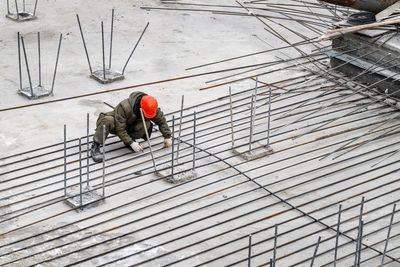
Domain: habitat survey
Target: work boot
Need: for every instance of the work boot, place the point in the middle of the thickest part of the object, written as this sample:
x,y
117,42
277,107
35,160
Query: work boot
x,y
97,156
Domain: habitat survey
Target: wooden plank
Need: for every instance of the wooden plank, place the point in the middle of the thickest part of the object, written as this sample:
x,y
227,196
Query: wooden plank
x,y
332,34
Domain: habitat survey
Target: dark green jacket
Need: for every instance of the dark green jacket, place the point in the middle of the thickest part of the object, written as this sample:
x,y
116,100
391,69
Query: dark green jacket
x,y
128,113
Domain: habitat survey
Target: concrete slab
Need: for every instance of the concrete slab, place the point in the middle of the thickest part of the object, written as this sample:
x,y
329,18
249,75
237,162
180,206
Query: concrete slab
x,y
206,220
173,42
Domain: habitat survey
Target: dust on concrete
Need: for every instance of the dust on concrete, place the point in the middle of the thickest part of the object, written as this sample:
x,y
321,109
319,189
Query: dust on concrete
x,y
8,142
181,174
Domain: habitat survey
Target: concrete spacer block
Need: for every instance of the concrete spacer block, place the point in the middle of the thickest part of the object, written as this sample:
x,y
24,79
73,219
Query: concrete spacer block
x,y
181,174
259,149
89,195
255,153
111,76
38,92
22,16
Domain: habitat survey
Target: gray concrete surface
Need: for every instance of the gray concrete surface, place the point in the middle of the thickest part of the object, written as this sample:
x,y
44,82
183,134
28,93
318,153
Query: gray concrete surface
x,y
173,42
159,222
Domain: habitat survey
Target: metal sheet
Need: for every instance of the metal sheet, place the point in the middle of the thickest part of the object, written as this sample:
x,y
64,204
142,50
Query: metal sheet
x,y
375,6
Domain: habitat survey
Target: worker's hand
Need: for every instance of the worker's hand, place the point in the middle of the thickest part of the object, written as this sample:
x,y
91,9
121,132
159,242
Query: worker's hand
x,y
136,147
167,142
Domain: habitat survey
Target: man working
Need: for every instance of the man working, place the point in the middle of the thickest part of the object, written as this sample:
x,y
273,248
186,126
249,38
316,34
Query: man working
x,y
126,122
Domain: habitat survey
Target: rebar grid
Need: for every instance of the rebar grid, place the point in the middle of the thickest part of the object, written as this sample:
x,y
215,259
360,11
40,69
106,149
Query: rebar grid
x,y
203,135
187,135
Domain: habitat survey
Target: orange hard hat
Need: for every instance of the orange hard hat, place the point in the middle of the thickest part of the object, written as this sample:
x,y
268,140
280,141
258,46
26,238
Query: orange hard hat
x,y
149,106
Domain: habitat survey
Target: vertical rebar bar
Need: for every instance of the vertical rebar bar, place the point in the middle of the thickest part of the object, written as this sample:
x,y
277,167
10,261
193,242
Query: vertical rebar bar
x,y
269,116
361,208
337,234
84,43
359,232
111,37
275,245
254,106
34,10
87,151
104,160
251,123
148,140
55,68
249,255
356,251
65,160
360,243
388,234
315,251
8,7
231,114
19,61
255,94
16,9
129,58
27,66
180,128
102,47
39,61
173,144
194,140
80,173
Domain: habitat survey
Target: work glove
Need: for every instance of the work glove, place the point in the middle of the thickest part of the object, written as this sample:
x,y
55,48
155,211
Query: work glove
x,y
136,147
167,142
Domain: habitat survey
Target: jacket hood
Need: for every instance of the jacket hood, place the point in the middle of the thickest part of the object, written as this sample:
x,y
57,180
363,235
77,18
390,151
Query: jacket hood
x,y
134,102
133,97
